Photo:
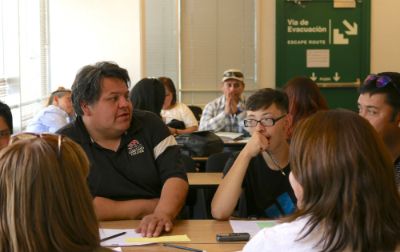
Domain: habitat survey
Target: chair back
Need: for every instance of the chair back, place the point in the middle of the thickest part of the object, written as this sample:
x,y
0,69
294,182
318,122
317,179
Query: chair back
x,y
197,111
216,162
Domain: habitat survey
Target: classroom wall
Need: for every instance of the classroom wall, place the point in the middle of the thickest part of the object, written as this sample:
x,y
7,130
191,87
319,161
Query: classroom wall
x,y
385,36
84,32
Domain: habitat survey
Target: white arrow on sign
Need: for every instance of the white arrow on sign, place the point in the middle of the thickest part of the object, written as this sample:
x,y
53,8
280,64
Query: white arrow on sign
x,y
336,77
313,77
352,29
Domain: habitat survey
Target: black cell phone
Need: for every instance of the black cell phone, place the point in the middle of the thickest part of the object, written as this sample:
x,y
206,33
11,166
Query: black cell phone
x,y
233,237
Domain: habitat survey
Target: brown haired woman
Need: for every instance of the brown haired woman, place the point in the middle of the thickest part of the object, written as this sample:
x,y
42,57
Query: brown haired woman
x,y
344,182
45,203
304,100
178,116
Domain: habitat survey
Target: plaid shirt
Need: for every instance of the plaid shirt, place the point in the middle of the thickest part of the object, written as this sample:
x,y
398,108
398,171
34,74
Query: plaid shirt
x,y
215,119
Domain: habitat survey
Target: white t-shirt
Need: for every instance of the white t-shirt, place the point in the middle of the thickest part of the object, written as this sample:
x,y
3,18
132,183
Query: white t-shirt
x,y
179,112
282,237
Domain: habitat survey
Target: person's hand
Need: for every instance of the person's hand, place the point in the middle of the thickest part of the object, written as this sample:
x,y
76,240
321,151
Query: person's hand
x,y
230,104
257,143
154,224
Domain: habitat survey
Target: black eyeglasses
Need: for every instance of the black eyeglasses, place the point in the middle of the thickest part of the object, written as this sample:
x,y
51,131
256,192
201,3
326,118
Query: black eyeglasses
x,y
233,74
266,122
380,81
46,136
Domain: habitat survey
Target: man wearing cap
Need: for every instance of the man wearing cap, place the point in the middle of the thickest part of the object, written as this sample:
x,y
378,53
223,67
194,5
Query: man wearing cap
x,y
227,111
379,103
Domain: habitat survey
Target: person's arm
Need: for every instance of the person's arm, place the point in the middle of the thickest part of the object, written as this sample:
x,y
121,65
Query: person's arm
x,y
185,131
108,209
228,192
172,198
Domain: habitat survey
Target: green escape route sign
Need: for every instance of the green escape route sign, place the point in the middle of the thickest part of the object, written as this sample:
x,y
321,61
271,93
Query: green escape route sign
x,y
326,40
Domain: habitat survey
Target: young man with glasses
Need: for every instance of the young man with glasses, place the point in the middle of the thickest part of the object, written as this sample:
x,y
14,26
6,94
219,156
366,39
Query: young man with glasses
x,y
135,171
261,170
379,103
227,111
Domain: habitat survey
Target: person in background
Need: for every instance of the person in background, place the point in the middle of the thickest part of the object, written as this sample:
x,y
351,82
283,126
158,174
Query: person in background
x,y
227,112
46,205
58,113
148,94
261,169
379,103
6,125
174,112
343,179
135,168
305,99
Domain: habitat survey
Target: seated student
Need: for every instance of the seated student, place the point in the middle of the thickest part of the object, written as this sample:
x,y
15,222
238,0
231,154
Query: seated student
x,y
148,94
379,103
135,171
343,179
261,169
45,202
304,100
227,111
185,121
6,124
56,115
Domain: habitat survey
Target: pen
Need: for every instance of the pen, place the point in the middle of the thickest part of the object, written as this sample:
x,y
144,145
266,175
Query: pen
x,y
112,236
182,247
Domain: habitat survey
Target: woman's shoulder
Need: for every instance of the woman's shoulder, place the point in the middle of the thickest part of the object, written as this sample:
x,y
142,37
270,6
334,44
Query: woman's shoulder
x,y
285,236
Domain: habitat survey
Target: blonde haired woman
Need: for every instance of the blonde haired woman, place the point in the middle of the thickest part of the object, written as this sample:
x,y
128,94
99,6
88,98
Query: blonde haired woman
x,y
344,182
58,113
45,203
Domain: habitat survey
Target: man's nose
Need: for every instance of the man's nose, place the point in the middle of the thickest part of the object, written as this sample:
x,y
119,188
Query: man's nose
x,y
260,127
123,101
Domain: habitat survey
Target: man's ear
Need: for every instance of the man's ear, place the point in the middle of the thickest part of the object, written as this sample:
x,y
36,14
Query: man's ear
x,y
55,100
86,109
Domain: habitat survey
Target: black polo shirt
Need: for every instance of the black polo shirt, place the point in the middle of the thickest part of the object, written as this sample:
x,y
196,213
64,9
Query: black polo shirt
x,y
145,159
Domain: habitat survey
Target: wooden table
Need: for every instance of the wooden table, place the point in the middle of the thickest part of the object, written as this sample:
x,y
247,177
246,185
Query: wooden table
x,y
204,179
201,233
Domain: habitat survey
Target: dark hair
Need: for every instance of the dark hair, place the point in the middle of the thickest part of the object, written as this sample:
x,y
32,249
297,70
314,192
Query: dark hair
x,y
390,91
148,94
87,85
5,112
304,99
60,92
169,84
348,183
265,97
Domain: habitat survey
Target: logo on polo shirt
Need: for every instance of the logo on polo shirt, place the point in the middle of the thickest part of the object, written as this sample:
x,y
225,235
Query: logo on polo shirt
x,y
135,148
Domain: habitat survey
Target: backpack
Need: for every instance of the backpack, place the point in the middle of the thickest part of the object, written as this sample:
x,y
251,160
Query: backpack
x,y
200,143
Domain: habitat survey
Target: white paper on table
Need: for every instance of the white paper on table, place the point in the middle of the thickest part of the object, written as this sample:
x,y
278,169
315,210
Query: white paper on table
x,y
250,226
229,135
120,240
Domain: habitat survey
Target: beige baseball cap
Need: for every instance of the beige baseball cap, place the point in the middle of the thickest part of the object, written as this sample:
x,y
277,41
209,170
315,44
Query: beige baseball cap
x,y
233,74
